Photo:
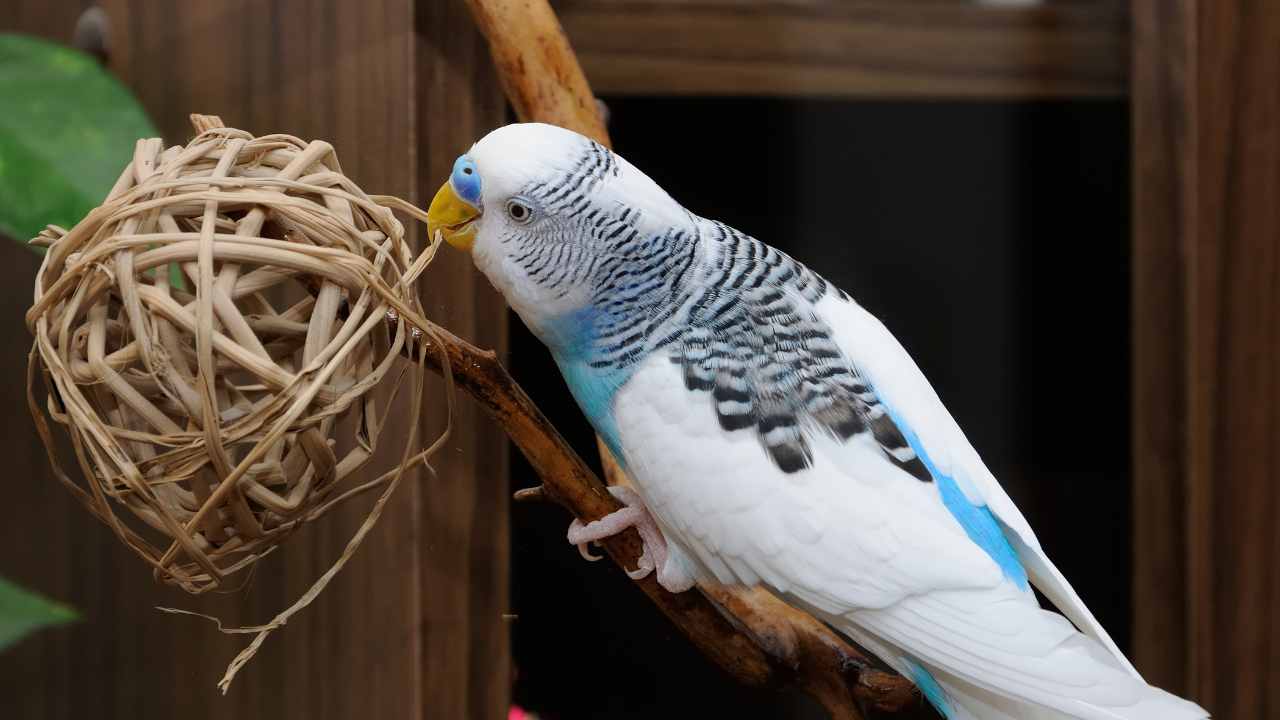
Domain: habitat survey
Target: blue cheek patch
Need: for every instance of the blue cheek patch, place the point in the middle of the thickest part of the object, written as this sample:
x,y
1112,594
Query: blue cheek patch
x,y
466,179
570,338
594,390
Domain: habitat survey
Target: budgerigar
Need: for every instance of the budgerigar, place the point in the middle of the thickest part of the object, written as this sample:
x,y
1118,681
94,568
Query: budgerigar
x,y
778,434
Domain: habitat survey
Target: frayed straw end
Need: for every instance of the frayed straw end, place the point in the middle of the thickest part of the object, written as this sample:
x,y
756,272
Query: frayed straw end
x,y
48,236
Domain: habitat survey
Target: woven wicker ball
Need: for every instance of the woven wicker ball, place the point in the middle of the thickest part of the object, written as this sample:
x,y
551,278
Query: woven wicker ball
x,y
209,338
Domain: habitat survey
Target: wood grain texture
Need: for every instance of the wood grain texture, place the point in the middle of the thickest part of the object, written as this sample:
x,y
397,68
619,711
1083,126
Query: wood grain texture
x,y
876,48
540,78
466,657
1207,161
411,627
1234,407
50,20
1163,170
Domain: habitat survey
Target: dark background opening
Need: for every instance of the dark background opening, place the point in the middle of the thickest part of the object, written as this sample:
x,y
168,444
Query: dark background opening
x,y
992,239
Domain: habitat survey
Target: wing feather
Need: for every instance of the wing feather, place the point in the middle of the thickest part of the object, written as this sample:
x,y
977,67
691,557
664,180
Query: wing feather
x,y
899,381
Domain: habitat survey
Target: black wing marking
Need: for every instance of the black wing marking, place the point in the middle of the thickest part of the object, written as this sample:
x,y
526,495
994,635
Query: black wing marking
x,y
768,361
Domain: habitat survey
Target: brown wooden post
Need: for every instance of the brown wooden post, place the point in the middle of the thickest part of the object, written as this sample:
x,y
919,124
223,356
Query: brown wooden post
x,y
1162,174
412,627
1206,313
466,665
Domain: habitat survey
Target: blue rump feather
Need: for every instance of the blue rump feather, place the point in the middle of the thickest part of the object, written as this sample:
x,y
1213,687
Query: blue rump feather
x,y
978,522
930,688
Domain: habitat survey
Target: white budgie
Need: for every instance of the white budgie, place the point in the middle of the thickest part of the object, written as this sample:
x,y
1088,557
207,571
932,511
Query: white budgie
x,y
779,434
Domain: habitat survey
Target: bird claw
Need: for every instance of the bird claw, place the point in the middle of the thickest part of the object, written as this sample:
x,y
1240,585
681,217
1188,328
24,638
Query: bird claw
x,y
576,529
644,566
655,555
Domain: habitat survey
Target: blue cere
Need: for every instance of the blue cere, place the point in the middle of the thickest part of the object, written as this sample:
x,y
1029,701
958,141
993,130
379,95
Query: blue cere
x,y
466,179
978,522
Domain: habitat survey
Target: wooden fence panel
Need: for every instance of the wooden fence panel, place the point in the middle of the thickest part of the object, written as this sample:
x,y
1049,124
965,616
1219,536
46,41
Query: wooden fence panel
x,y
413,623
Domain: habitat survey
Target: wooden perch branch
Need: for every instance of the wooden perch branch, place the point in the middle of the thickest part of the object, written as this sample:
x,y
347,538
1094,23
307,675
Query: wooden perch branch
x,y
748,632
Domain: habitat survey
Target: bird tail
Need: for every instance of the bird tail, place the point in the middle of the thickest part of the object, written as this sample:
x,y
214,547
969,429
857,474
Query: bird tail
x,y
967,672
967,701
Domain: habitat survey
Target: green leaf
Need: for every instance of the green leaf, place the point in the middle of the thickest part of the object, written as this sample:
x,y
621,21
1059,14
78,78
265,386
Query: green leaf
x,y
23,612
67,131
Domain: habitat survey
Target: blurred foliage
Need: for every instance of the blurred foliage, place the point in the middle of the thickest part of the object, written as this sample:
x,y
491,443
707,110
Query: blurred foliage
x,y
67,131
23,612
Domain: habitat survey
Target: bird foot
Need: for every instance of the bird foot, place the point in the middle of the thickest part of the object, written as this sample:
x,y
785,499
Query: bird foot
x,y
657,556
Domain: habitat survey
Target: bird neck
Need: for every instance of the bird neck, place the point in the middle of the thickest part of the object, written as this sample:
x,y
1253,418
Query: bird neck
x,y
569,335
627,300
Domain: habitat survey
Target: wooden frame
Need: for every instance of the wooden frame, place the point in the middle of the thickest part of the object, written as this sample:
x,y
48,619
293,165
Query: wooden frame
x,y
1206,328
861,48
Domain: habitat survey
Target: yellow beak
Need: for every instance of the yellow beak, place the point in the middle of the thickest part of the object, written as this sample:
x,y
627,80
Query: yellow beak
x,y
453,217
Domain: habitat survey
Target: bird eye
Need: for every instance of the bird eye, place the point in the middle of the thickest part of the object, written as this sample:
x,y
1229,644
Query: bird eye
x,y
519,211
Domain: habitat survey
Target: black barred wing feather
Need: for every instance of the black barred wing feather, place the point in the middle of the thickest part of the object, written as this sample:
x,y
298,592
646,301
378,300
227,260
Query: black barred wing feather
x,y
770,363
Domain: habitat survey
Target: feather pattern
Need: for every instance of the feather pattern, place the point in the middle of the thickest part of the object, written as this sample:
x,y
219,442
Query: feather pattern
x,y
734,313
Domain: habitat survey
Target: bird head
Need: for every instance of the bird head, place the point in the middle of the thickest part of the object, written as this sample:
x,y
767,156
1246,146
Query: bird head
x,y
545,213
